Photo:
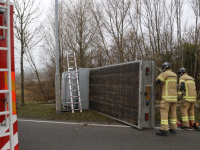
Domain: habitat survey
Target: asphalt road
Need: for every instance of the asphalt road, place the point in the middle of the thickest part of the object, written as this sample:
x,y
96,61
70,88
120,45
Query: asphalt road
x,y
35,135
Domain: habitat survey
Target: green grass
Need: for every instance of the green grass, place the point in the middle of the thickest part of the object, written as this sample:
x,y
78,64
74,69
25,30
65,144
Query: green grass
x,y
48,112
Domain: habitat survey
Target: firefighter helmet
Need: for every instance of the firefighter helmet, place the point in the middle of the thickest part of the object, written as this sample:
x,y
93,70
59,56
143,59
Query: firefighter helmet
x,y
166,65
182,70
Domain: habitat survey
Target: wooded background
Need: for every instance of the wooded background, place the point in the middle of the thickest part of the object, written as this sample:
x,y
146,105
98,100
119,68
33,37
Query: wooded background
x,y
104,32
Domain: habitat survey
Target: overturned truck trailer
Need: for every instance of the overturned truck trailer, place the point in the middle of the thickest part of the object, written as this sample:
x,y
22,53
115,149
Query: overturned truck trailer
x,y
125,92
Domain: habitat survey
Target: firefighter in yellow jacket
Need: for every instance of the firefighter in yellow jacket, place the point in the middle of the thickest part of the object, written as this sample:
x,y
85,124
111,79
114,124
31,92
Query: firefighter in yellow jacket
x,y
187,92
168,80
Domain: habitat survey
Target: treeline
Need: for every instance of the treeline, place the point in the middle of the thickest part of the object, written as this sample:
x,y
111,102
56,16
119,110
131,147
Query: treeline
x,y
105,32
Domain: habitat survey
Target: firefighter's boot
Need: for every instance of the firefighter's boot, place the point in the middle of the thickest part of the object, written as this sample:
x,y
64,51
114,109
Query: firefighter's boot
x,y
185,128
172,131
162,133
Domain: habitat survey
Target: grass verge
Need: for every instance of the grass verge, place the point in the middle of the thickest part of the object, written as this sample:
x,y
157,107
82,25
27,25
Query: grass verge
x,y
48,112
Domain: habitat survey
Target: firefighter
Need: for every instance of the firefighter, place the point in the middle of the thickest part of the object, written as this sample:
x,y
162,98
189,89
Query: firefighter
x,y
187,94
168,80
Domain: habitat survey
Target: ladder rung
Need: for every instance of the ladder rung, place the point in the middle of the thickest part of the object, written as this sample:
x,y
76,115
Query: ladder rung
x,y
4,91
3,48
3,70
73,67
5,134
74,96
71,61
72,103
71,72
77,102
3,27
4,112
4,7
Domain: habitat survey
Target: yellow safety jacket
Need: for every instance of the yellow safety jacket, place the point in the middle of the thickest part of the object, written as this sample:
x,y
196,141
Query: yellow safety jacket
x,y
169,85
189,92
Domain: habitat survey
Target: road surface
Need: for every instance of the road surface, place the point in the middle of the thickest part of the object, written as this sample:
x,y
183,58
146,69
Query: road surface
x,y
47,135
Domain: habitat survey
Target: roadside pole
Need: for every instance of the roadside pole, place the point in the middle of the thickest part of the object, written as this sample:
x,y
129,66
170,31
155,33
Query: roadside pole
x,y
57,75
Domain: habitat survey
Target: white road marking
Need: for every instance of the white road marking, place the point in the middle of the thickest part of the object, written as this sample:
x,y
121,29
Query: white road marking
x,y
71,123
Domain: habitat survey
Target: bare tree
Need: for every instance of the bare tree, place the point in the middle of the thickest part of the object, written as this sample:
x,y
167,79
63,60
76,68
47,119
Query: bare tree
x,y
195,6
26,30
78,30
100,40
31,60
169,20
112,25
153,18
137,35
179,4
116,25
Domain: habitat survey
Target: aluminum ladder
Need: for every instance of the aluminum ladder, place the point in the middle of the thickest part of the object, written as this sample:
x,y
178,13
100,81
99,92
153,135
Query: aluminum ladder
x,y
72,66
8,92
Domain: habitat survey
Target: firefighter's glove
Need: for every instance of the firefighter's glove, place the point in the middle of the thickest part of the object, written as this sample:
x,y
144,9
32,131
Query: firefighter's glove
x,y
179,98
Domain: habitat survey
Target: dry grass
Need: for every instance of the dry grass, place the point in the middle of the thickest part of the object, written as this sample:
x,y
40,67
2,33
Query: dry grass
x,y
48,112
32,92
41,111
27,94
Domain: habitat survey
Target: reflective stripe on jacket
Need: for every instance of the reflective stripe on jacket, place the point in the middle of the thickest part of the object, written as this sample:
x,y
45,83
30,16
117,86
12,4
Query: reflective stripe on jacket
x,y
189,93
169,85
